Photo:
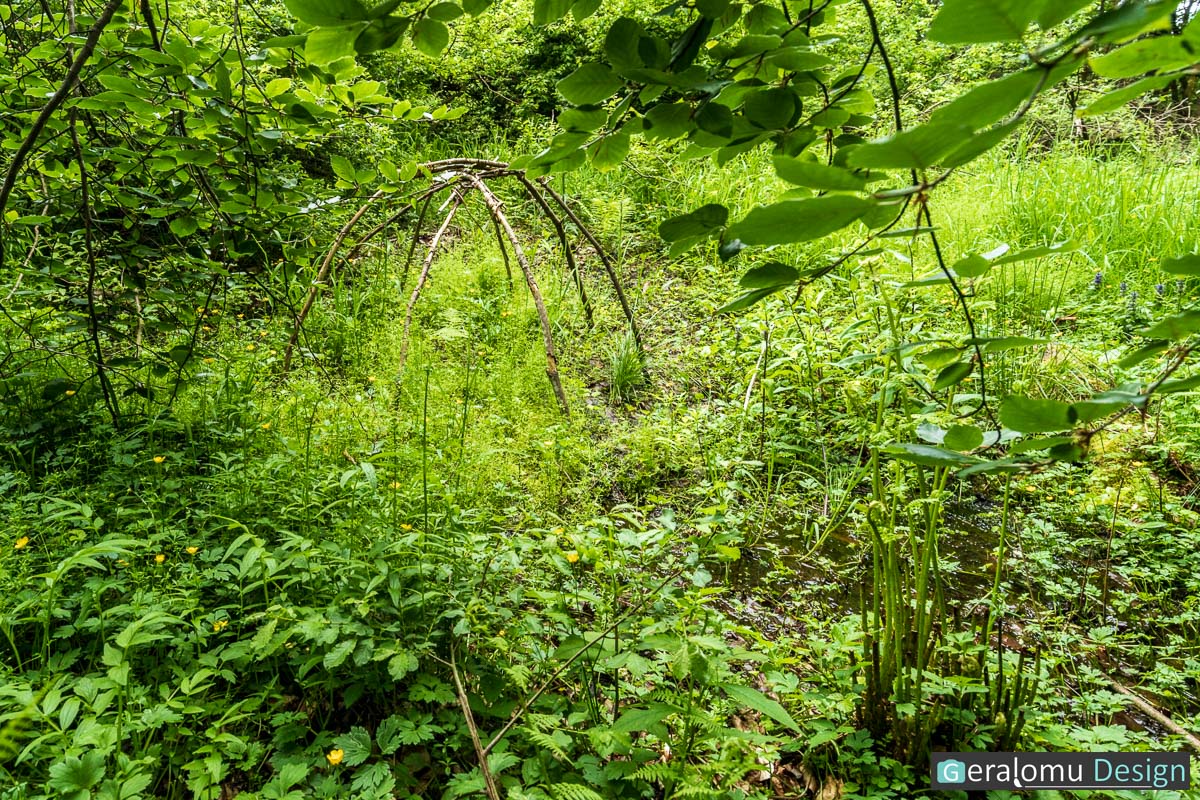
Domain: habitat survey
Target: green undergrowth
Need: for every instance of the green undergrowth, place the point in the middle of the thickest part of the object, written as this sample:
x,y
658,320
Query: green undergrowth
x,y
272,589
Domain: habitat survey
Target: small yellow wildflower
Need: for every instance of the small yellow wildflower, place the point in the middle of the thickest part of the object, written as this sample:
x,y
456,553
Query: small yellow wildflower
x,y
69,392
370,379
159,459
241,316
21,543
557,531
262,334
335,756
210,361
160,558
274,352
405,527
220,624
250,347
266,426
191,551
394,485
572,556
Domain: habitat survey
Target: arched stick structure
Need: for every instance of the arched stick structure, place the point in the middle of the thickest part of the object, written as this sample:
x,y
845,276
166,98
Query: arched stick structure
x,y
461,175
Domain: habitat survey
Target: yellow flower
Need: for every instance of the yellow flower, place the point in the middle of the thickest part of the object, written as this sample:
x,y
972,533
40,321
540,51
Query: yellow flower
x,y
335,756
394,485
220,624
405,526
69,392
557,531
572,556
262,334
160,558
209,360
273,352
250,347
191,551
241,316
159,459
370,379
266,426
21,543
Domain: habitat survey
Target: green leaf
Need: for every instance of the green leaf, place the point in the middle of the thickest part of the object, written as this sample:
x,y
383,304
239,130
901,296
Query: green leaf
x,y
328,12
701,222
916,148
979,144
1182,265
970,21
343,168
402,664
1089,410
963,437
356,744
591,83
476,7
1033,415
1056,249
989,102
798,220
1054,12
444,12
582,119
747,300
816,175
771,108
1119,97
610,152
716,119
184,226
973,266
769,276
668,121
547,11
1145,55
326,45
621,44
798,59
74,777
1179,326
643,719
757,701
582,9
430,36
929,456
1128,20
952,375
1143,353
